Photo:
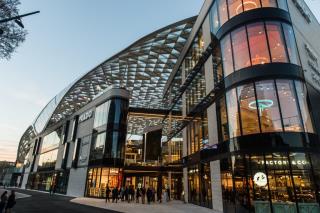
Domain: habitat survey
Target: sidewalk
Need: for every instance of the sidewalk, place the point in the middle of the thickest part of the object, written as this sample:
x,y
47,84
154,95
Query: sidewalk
x,y
172,206
18,195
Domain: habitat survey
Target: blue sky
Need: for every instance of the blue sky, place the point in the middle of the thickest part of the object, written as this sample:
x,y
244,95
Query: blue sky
x,y
67,39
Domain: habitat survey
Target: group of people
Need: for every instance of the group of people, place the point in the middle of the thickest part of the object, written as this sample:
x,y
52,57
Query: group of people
x,y
7,202
130,194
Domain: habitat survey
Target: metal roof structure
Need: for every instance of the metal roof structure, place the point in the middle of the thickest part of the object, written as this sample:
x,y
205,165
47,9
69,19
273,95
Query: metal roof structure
x,y
143,68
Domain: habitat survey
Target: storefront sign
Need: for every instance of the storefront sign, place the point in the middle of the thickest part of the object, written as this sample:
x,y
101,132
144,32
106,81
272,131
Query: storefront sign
x,y
262,104
85,116
283,162
303,10
260,179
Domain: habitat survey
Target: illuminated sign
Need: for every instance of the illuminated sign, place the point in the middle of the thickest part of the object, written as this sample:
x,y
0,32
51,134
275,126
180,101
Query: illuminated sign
x,y
283,162
85,116
262,104
260,179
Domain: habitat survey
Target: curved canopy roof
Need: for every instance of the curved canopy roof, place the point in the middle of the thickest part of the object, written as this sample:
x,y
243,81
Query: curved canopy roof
x,y
143,68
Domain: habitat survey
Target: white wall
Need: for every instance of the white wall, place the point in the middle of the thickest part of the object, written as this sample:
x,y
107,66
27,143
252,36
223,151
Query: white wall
x,y
77,182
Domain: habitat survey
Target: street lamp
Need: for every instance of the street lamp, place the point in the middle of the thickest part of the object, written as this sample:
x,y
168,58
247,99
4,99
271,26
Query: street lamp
x,y
17,19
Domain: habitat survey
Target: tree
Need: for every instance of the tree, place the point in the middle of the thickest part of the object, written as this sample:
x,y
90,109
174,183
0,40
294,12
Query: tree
x,y
11,33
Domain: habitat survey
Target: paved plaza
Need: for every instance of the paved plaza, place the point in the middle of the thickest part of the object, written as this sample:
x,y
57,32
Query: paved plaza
x,y
172,206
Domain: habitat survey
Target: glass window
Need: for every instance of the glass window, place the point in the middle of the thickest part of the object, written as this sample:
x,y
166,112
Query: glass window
x,y
101,114
248,109
291,44
251,4
226,55
223,11
282,4
98,146
268,106
233,115
51,141
235,7
214,18
269,3
276,42
240,48
288,105
223,118
48,159
258,43
303,103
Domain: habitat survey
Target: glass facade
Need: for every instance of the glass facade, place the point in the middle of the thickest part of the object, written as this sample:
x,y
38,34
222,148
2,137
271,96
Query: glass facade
x,y
51,141
282,182
109,142
223,10
264,106
99,179
258,43
48,160
199,184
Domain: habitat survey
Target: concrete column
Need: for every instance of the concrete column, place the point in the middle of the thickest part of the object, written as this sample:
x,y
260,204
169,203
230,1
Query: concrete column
x,y
212,124
185,184
217,203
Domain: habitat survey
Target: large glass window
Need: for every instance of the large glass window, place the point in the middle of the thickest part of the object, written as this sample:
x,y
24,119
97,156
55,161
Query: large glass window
x,y
258,44
48,159
291,43
248,109
268,106
98,144
289,107
276,42
101,114
303,103
240,47
223,10
274,103
235,7
52,140
233,115
227,58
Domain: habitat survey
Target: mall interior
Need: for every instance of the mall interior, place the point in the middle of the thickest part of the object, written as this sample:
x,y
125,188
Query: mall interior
x,y
221,108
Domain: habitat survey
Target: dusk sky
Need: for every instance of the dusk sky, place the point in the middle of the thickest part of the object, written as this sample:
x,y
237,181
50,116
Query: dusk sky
x,y
68,39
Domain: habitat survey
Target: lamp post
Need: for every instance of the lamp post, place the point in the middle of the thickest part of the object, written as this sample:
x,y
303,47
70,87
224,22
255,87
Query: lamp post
x,y
17,19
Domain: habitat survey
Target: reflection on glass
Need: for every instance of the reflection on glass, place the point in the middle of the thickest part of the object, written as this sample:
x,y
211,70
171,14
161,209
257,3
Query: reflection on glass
x,y
48,159
101,114
214,17
240,48
248,109
233,115
269,113
223,11
226,55
251,4
303,103
52,140
276,42
235,7
291,43
269,3
288,105
223,119
258,43
282,4
98,146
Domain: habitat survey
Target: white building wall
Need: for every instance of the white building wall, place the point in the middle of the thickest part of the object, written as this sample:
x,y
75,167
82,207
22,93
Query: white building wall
x,y
77,182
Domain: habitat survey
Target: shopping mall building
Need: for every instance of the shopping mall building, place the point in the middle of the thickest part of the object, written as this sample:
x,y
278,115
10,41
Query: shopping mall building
x,y
222,108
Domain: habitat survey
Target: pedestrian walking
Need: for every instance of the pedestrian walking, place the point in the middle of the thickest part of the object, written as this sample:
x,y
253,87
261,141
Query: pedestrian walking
x,y
115,193
50,189
143,195
126,194
108,194
149,195
159,194
138,194
3,200
11,202
122,193
168,194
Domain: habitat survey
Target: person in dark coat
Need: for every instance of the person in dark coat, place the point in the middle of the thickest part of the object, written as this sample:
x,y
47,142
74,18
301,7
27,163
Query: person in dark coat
x,y
11,202
126,194
3,201
143,195
108,194
149,195
115,193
